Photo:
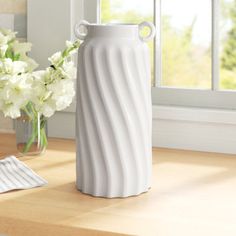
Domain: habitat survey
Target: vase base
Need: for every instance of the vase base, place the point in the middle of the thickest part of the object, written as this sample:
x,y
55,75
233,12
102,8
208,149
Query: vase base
x,y
33,151
113,196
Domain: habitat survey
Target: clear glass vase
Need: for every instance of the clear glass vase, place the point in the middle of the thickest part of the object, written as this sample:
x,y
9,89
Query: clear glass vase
x,y
31,135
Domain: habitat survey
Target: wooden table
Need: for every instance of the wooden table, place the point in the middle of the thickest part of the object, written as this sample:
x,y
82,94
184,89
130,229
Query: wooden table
x,y
193,194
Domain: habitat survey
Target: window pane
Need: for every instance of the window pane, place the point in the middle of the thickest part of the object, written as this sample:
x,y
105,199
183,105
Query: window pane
x,y
228,44
129,11
186,43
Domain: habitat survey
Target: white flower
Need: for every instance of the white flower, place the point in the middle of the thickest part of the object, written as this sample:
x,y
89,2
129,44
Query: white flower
x,y
8,66
47,110
10,35
12,111
62,93
19,67
69,44
17,89
15,94
69,70
51,92
55,58
3,50
31,64
48,91
22,49
41,95
39,74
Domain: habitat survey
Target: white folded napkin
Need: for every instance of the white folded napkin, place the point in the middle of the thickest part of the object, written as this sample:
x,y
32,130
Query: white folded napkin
x,y
14,174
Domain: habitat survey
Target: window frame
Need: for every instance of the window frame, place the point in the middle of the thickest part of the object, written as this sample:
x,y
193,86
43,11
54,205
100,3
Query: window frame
x,y
204,98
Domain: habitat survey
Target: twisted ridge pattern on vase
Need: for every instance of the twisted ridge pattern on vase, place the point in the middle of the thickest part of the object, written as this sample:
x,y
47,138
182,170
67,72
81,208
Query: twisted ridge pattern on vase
x,y
114,152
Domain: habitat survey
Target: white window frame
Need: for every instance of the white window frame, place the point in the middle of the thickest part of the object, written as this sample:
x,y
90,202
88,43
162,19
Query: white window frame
x,y
205,98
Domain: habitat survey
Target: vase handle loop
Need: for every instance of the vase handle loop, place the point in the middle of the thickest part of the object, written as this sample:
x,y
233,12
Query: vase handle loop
x,y
77,29
152,33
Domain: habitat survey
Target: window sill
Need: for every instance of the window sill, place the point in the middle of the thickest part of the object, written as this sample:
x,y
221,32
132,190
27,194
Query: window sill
x,y
191,114
211,130
199,129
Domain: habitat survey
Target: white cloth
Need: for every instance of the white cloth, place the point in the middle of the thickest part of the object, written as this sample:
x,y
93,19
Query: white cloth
x,y
14,174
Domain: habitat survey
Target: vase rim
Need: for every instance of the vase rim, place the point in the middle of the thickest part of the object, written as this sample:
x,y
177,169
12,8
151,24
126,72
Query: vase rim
x,y
113,24
113,30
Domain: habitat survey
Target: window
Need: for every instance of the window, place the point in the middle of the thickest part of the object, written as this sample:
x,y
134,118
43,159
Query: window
x,y
227,29
186,43
194,52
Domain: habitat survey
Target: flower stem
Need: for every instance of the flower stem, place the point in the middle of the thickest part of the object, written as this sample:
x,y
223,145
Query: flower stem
x,y
38,129
33,136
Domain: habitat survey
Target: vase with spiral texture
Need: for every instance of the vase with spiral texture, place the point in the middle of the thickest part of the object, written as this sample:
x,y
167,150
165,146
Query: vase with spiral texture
x,y
114,110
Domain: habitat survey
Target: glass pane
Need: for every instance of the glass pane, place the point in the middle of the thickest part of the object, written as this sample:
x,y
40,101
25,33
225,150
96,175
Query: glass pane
x,y
129,11
228,44
186,43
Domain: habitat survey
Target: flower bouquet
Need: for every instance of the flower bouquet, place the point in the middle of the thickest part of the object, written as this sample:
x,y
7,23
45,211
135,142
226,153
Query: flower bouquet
x,y
31,96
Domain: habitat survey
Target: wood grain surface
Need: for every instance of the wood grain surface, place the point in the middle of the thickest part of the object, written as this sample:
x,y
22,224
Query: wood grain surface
x,y
192,194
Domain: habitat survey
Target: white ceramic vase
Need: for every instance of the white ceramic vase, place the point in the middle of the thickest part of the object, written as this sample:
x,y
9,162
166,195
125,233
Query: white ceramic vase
x,y
114,112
